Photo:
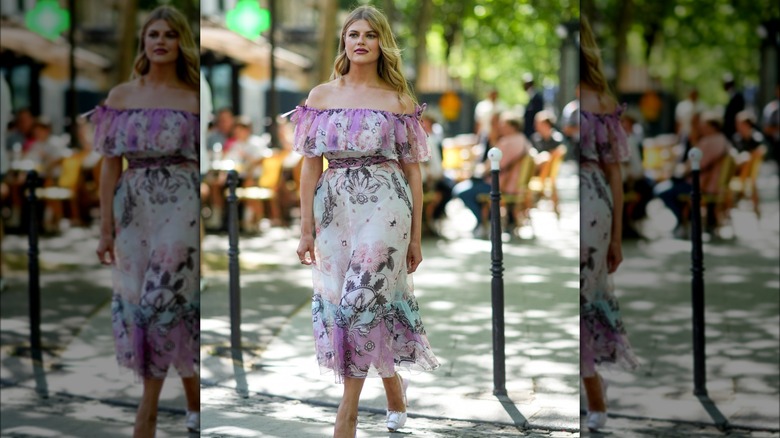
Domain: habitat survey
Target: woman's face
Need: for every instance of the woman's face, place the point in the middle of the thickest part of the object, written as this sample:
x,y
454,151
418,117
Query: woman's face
x,y
161,43
361,43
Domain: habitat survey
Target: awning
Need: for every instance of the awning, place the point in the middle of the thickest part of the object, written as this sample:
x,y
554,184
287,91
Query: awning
x,y
26,42
229,43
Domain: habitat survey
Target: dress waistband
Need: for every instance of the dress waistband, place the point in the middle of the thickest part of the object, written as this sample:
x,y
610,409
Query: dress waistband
x,y
343,163
167,160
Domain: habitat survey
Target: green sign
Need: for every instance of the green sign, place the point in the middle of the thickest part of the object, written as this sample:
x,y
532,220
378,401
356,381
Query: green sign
x,y
248,19
47,19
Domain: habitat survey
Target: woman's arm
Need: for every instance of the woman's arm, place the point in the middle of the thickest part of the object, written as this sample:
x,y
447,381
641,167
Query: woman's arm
x,y
110,170
612,172
310,174
414,177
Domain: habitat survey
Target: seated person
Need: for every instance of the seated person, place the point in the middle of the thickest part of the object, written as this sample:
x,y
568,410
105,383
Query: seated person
x,y
714,146
514,145
747,138
434,179
634,180
546,138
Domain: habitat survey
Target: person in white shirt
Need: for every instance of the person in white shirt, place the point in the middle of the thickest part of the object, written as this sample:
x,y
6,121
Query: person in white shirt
x,y
484,112
684,112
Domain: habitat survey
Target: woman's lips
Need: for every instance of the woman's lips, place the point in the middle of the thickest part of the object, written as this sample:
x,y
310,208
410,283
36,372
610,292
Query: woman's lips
x,y
361,51
160,51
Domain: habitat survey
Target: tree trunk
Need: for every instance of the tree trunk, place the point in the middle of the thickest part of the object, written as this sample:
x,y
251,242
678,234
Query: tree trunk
x,y
621,37
128,42
328,10
423,23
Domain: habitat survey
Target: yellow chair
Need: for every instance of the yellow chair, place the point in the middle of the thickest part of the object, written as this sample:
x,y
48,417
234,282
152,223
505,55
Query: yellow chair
x,y
744,183
65,189
519,199
545,184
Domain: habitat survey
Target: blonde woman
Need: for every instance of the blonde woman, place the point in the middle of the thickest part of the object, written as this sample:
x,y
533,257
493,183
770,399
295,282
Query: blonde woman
x,y
150,213
603,148
361,218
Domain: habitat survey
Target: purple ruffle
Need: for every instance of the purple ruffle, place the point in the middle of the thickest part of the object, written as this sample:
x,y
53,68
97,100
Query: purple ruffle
x,y
398,136
602,137
158,130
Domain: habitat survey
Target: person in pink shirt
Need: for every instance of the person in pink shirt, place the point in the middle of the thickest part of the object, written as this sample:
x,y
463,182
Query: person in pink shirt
x,y
514,146
714,146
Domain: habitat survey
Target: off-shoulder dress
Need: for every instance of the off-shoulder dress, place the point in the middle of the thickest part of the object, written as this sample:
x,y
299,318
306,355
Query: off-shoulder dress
x,y
365,314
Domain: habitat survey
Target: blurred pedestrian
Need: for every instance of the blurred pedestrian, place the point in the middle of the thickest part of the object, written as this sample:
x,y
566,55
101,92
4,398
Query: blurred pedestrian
x,y
150,213
684,112
483,114
20,138
433,176
636,185
603,337
770,121
546,138
361,218
570,124
535,104
714,146
736,104
514,146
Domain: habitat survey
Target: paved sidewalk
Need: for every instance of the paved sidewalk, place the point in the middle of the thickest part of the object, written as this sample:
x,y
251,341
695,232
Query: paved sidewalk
x,y
287,397
453,289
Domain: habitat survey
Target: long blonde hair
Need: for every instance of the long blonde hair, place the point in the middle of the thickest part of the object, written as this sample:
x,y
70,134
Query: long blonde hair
x,y
188,62
591,69
389,66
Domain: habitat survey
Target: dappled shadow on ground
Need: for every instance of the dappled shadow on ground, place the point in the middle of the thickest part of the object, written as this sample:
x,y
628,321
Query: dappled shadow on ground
x,y
67,302
453,290
742,325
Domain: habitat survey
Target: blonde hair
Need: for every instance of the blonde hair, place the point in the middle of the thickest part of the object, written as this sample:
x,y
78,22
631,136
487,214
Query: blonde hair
x,y
188,62
389,66
591,69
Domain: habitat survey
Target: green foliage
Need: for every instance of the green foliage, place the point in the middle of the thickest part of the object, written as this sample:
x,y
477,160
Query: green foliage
x,y
687,42
487,43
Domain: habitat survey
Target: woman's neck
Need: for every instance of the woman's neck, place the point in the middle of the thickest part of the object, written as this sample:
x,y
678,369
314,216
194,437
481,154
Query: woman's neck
x,y
162,75
363,76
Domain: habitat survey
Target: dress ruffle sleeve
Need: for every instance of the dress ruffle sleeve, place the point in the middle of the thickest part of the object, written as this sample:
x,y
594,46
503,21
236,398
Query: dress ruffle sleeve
x,y
410,138
603,138
163,131
398,136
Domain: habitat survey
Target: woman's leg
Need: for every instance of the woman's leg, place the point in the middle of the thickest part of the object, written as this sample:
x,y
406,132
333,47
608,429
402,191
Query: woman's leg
x,y
146,417
192,392
594,394
394,393
346,418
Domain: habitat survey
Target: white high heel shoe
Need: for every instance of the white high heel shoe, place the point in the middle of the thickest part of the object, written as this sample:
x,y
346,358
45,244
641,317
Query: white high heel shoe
x,y
396,419
193,421
597,420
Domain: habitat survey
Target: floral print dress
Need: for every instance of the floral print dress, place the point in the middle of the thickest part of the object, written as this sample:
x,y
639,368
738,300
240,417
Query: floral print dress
x,y
365,315
156,304
603,337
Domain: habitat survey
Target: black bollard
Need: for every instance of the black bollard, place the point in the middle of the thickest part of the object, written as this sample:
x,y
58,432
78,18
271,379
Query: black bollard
x,y
497,284
697,280
233,267
34,289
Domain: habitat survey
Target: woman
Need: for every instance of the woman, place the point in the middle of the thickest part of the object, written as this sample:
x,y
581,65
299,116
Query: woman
x,y
361,218
150,213
603,149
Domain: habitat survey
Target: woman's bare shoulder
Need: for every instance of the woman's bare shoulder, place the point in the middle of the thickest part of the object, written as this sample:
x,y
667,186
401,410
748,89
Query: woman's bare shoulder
x,y
321,95
117,96
597,102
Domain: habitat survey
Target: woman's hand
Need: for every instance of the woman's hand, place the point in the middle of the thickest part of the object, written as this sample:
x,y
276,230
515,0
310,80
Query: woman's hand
x,y
614,256
105,249
306,245
413,257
